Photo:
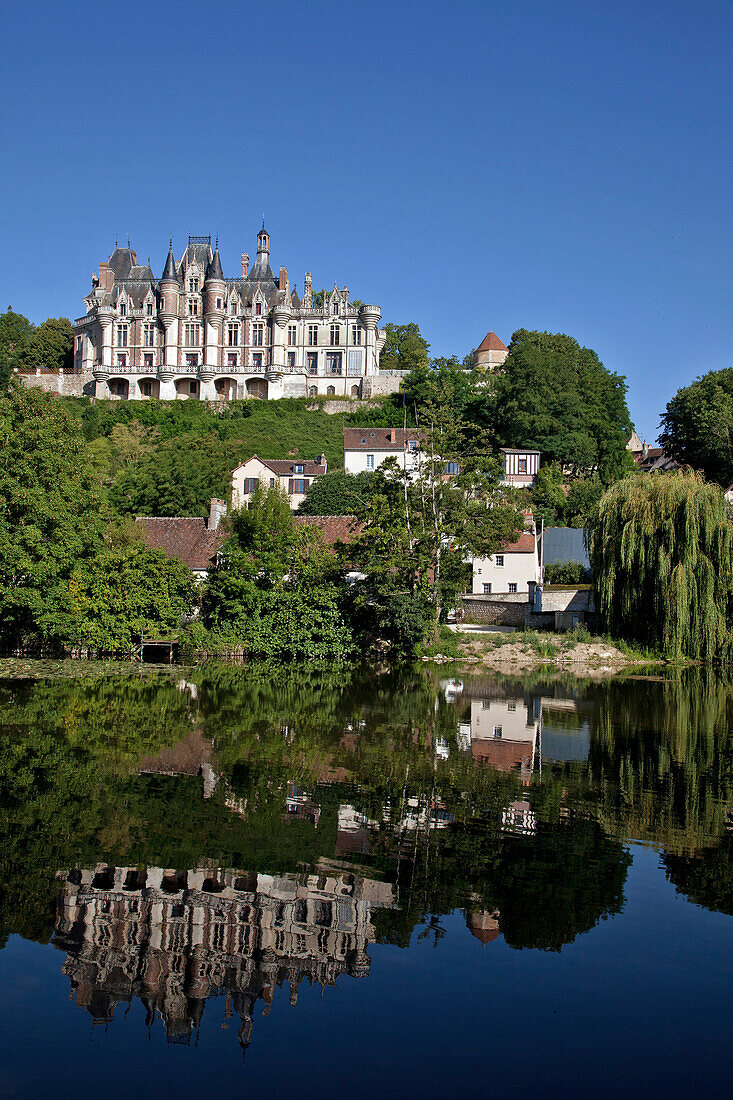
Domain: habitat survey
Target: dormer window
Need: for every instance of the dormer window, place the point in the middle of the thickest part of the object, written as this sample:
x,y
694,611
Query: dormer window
x,y
258,309
150,309
300,469
193,307
193,286
123,309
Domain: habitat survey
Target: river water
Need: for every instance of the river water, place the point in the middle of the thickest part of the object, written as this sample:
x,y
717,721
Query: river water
x,y
323,883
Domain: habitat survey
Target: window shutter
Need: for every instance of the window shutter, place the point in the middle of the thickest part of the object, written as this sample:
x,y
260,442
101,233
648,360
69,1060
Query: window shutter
x,y
290,485
306,483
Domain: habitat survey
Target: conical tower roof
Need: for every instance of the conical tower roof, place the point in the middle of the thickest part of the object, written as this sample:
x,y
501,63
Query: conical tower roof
x,y
169,272
214,271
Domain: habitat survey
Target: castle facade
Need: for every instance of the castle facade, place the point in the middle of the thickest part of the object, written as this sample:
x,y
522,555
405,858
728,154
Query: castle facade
x,y
194,334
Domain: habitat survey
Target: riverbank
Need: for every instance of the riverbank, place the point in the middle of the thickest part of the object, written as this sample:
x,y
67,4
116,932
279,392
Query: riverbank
x,y
578,653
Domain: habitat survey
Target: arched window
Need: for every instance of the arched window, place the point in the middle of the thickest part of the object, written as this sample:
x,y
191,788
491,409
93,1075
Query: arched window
x,y
330,392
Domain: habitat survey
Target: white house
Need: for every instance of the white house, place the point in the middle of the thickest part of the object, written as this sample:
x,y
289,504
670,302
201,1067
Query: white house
x,y
511,570
294,476
520,466
367,448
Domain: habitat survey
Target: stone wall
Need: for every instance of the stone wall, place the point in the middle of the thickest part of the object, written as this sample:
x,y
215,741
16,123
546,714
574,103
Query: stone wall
x,y
334,405
566,597
386,382
66,385
496,610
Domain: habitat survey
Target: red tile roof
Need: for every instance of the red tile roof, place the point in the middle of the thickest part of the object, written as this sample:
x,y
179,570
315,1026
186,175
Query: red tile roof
x,y
182,537
334,528
491,342
379,439
524,545
503,755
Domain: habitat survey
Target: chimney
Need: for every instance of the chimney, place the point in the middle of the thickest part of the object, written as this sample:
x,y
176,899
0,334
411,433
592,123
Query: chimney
x,y
323,462
393,435
283,281
245,264
217,511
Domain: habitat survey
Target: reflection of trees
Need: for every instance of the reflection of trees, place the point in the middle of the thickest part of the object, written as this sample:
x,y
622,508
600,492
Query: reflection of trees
x,y
705,876
661,758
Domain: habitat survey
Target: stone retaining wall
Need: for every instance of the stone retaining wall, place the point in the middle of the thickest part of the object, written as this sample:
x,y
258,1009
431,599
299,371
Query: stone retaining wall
x,y
497,610
66,385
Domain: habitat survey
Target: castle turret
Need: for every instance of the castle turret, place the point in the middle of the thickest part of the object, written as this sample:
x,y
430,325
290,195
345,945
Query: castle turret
x,y
214,304
169,286
261,268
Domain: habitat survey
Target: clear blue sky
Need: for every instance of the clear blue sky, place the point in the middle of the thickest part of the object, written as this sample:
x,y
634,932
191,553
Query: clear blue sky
x,y
552,165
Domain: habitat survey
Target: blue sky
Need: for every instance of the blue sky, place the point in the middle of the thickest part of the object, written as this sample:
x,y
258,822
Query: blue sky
x,y
466,165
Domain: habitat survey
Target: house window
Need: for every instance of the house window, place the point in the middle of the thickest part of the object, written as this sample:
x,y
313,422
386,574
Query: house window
x,y
333,362
522,465
193,387
412,445
192,336
193,286
257,360
149,336
299,469
232,359
512,587
146,389
354,365
292,335
313,336
335,335
258,335
370,462
355,334
150,309
250,484
498,731
291,360
192,360
232,307
147,360
193,307
123,309
312,362
272,482
121,360
298,484
233,336
258,309
499,560
451,467
330,391
122,336
218,303
487,588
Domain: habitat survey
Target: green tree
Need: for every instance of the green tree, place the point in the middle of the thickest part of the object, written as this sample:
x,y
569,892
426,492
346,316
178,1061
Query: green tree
x,y
661,551
125,592
15,337
50,514
52,345
557,396
442,384
337,494
404,348
583,495
697,426
547,496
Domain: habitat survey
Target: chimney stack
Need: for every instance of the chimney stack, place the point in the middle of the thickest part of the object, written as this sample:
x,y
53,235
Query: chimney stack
x,y
245,264
324,462
217,511
283,281
393,435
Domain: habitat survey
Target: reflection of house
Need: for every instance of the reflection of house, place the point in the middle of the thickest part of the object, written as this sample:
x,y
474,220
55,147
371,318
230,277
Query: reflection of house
x,y
300,807
293,476
519,817
175,939
504,734
484,925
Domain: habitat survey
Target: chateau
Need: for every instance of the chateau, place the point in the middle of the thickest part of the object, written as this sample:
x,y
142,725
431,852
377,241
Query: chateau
x,y
195,334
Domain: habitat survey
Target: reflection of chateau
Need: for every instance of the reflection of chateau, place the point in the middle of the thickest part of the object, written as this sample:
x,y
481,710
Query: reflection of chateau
x,y
175,939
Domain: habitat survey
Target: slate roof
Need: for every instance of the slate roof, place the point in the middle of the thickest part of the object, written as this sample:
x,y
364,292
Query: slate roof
x,y
379,439
334,528
491,342
169,272
184,537
214,270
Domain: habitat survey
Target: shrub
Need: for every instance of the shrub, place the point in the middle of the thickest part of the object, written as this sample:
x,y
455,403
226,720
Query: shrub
x,y
566,572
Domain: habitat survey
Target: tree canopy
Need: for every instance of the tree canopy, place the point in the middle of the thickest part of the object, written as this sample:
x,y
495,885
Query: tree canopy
x,y
661,550
25,346
404,348
697,426
557,396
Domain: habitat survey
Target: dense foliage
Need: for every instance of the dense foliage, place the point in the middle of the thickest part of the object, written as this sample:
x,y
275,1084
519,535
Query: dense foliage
x,y
661,550
697,426
566,572
337,494
404,348
27,347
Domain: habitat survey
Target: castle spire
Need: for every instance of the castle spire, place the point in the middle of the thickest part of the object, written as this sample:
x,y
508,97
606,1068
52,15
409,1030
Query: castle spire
x,y
169,273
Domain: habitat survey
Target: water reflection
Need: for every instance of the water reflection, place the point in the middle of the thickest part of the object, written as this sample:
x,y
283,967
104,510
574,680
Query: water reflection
x,y
175,939
366,810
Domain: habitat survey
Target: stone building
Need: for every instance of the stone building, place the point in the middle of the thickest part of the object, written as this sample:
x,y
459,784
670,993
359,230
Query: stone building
x,y
194,334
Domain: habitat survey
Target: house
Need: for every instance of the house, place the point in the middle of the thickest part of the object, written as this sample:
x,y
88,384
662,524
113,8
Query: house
x,y
520,467
292,475
193,539
195,333
367,448
491,353
515,568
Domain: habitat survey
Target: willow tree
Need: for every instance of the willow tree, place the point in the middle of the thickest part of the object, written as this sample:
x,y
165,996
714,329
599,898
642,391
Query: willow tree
x,y
661,550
